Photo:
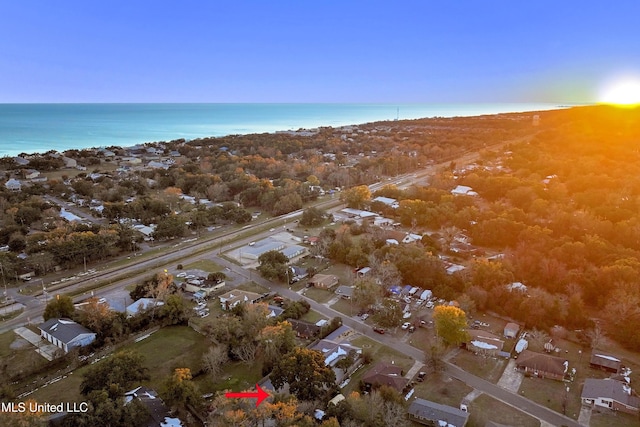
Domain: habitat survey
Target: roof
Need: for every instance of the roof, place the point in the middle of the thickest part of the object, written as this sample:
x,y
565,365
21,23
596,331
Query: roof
x,y
609,389
346,291
426,409
385,200
512,327
541,362
333,351
326,280
609,361
142,304
304,328
65,330
383,373
238,295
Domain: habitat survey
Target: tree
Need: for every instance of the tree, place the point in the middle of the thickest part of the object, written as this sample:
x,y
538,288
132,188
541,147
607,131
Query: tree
x,y
169,228
115,374
312,217
390,314
214,359
434,357
180,391
366,293
59,307
273,265
451,324
173,312
356,197
305,372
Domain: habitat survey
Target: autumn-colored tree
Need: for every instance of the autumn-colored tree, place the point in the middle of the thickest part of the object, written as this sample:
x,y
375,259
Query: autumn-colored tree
x,y
451,324
356,197
179,389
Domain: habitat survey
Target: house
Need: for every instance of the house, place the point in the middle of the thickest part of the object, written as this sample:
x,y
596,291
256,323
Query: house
x,y
345,292
605,361
484,342
304,329
363,271
611,394
31,174
511,330
13,185
235,297
392,203
435,414
412,238
323,281
463,190
158,413
383,373
141,305
333,352
69,162
298,273
66,334
517,286
274,311
542,365
205,287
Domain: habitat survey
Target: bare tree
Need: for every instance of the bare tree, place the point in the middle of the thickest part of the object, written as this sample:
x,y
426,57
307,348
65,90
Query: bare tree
x,y
246,351
214,359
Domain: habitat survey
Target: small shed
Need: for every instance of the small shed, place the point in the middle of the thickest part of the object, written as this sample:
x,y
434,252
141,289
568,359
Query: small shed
x,y
511,330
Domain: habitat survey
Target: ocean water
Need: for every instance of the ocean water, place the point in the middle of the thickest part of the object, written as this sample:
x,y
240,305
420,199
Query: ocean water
x,y
31,128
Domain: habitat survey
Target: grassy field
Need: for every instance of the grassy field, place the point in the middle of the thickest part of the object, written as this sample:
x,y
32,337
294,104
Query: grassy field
x,y
485,408
618,419
319,295
236,376
443,390
167,349
252,287
489,368
312,316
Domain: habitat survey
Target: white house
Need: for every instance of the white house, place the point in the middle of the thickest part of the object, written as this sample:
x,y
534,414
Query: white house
x,y
463,190
141,305
69,162
411,238
66,334
13,185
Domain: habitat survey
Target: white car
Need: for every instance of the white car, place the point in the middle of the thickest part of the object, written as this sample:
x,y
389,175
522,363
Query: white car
x,y
183,274
364,316
406,325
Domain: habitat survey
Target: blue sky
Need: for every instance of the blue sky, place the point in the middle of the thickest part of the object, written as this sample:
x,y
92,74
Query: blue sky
x,y
314,51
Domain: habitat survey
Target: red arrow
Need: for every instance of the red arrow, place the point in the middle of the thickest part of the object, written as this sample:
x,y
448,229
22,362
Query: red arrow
x,y
260,394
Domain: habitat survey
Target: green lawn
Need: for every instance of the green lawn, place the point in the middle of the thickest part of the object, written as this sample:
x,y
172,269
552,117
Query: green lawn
x,y
167,349
236,376
618,419
485,408
319,295
443,390
252,287
489,368
346,307
380,352
312,316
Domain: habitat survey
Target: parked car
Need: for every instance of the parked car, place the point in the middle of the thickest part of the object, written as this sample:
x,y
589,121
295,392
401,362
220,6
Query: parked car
x,y
412,328
365,316
378,330
406,325
421,376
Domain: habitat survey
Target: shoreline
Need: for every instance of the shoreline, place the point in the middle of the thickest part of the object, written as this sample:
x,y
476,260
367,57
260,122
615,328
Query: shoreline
x,y
38,128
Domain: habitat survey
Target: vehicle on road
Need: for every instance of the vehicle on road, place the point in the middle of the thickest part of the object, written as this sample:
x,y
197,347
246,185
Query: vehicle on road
x,y
252,243
378,330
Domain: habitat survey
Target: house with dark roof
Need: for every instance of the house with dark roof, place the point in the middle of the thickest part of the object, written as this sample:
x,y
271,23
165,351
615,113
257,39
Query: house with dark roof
x,y
383,373
611,394
324,281
605,361
66,334
345,292
435,414
542,365
158,413
304,329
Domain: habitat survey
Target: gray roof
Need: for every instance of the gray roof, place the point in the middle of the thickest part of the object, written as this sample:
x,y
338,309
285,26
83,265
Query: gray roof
x,y
64,329
428,410
609,389
606,360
